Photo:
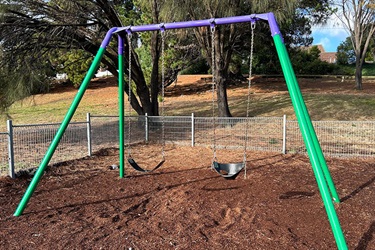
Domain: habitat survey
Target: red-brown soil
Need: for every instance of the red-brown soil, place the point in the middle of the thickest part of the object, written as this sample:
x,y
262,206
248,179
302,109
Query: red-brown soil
x,y
83,204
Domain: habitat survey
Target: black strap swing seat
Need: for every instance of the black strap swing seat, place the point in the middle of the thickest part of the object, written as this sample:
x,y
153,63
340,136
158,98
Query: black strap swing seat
x,y
130,159
228,170
138,168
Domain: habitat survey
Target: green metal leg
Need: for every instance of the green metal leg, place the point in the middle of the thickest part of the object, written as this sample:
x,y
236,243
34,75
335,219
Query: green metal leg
x,y
121,112
312,144
59,133
322,162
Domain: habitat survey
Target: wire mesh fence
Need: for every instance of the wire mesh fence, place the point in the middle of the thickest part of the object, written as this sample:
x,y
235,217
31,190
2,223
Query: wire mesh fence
x,y
4,165
105,131
30,142
231,133
177,129
337,138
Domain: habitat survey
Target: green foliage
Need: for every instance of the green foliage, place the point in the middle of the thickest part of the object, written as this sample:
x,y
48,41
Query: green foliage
x,y
75,64
22,81
127,12
145,60
296,30
308,62
200,67
345,52
318,67
367,70
314,53
347,70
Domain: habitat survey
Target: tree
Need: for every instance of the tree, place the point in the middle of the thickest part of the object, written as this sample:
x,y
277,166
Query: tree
x,y
358,17
34,28
345,52
74,63
229,39
71,29
314,52
23,79
233,41
296,30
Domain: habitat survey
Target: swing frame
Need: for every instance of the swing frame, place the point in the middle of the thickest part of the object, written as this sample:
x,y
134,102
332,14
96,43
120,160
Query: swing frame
x,y
319,165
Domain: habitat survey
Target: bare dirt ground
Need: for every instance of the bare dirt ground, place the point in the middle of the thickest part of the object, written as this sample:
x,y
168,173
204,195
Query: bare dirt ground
x,y
83,204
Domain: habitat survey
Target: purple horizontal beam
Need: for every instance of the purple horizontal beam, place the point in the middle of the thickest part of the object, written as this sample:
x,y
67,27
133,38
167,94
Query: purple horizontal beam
x,y
207,22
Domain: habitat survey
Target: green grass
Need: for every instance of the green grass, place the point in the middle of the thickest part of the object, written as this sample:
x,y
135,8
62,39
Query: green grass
x,y
53,112
320,107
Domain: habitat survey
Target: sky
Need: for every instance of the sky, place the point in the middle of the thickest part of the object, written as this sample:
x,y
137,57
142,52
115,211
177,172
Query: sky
x,y
329,35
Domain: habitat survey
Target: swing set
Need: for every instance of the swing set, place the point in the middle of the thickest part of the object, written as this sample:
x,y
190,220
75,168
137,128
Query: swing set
x,y
228,170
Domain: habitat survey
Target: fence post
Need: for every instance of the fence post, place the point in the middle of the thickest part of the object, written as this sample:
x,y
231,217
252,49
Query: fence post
x,y
284,134
89,141
146,127
10,149
192,129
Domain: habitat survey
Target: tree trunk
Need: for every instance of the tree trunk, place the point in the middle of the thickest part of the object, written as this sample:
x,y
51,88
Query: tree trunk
x,y
142,88
222,59
155,53
358,73
222,98
358,79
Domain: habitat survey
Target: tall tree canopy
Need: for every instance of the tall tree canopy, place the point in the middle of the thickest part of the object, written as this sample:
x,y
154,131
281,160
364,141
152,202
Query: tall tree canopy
x,y
35,29
38,30
232,41
230,38
359,18
345,52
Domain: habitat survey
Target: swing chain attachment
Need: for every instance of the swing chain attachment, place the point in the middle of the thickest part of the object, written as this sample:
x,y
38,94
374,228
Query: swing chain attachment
x,y
212,24
253,24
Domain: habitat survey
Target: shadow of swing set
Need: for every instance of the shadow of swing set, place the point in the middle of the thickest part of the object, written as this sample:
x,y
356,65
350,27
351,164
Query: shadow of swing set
x,y
227,170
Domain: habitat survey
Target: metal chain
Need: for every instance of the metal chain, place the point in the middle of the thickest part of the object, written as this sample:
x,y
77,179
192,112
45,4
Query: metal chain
x,y
248,91
213,88
130,93
162,90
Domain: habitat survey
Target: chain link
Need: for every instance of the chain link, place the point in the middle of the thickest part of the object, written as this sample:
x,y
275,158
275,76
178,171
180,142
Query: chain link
x,y
248,91
163,90
213,68
130,93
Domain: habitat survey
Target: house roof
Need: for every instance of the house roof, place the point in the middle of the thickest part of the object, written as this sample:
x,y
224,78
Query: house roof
x,y
328,57
324,56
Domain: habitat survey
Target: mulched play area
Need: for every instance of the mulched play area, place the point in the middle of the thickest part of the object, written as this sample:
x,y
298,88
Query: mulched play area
x,y
83,204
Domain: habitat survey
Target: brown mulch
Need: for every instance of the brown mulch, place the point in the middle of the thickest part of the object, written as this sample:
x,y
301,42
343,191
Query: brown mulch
x,y
83,204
